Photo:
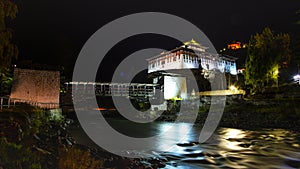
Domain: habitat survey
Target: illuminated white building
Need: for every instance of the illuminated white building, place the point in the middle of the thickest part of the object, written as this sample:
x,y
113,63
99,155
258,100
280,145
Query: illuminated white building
x,y
189,56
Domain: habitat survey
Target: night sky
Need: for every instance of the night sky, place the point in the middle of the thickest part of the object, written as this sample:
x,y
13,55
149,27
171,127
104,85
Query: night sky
x,y
53,32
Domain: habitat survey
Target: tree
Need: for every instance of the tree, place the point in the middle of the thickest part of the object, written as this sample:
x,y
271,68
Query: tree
x,y
8,50
295,43
298,17
267,53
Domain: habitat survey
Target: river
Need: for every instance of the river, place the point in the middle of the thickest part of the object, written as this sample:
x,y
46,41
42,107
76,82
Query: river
x,y
227,148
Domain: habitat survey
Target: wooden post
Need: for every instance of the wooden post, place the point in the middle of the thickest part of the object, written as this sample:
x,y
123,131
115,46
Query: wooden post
x,y
1,102
8,103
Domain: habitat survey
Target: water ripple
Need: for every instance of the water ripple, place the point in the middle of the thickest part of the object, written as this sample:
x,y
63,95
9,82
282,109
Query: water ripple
x,y
235,148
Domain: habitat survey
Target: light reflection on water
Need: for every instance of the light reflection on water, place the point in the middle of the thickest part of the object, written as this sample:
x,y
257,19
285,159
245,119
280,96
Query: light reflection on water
x,y
176,133
228,135
228,148
237,148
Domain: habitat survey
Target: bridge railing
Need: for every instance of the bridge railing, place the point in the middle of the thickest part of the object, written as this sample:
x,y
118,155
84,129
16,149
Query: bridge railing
x,y
4,102
113,89
45,105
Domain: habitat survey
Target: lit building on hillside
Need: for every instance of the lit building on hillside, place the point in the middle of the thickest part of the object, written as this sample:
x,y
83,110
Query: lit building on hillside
x,y
236,45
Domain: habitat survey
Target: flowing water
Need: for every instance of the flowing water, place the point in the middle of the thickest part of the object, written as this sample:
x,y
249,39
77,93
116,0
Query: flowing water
x,y
227,148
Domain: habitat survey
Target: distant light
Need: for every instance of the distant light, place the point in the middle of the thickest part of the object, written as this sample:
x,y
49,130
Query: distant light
x,y
276,72
232,87
297,77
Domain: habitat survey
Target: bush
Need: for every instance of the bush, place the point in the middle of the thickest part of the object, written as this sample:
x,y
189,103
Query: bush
x,y
13,156
74,158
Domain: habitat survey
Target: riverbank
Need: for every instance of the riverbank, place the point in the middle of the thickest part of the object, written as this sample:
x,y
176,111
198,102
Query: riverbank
x,y
271,113
254,113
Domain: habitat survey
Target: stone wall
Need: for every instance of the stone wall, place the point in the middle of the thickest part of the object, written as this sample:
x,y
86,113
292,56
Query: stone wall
x,y
36,87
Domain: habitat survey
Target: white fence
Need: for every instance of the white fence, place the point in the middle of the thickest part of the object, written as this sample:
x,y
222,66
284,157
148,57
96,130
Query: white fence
x,y
6,101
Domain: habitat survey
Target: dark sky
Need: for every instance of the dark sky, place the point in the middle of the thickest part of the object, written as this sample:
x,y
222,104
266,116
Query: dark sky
x,y
53,31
